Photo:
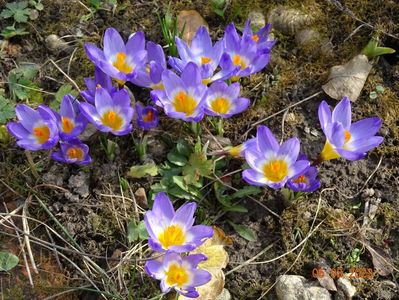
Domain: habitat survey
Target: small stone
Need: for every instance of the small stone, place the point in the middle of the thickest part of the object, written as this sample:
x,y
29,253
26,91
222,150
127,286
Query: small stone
x,y
307,129
224,295
294,287
190,20
368,192
141,197
257,19
80,184
291,118
346,286
55,44
314,132
288,20
318,293
34,14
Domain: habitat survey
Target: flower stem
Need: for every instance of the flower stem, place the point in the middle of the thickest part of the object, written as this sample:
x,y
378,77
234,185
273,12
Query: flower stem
x,y
219,127
141,146
195,128
32,164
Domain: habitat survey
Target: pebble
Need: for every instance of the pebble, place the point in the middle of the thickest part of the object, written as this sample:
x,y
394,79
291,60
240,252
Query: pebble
x,y
190,20
346,286
257,19
224,295
141,197
294,287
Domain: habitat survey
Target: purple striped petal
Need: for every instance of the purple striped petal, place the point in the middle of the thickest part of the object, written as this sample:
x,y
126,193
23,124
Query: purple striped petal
x,y
342,113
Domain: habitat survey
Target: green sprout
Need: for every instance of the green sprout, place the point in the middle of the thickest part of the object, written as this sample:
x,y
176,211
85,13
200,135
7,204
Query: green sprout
x,y
372,49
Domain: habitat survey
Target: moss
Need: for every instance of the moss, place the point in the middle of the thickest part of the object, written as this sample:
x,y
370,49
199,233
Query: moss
x,y
14,293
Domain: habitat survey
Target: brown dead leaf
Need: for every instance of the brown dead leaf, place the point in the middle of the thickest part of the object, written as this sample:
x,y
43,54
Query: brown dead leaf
x,y
382,261
348,79
218,258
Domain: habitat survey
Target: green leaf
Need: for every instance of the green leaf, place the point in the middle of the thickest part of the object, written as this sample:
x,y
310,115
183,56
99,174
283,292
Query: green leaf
x,y
197,166
96,4
236,208
8,261
19,10
136,231
373,50
246,191
143,170
7,110
176,158
10,31
373,95
379,89
62,91
183,148
244,231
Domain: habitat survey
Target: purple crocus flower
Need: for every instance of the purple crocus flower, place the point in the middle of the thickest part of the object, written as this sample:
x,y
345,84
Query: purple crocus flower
x,y
147,117
118,60
224,100
270,163
70,122
241,54
174,231
72,152
110,114
100,80
35,130
306,181
150,74
201,52
351,141
261,37
183,97
239,150
179,273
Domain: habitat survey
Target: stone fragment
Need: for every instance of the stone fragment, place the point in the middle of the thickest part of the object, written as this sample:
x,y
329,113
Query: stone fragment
x,y
346,286
190,20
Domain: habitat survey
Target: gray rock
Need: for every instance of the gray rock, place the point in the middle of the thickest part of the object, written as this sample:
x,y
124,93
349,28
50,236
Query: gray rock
x,y
346,286
294,287
80,184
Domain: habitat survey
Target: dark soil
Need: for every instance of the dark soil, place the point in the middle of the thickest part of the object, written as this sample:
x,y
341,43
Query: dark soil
x,y
79,197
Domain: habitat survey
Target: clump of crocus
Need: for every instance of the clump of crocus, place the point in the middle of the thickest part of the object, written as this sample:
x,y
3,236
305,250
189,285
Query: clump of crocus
x,y
147,117
150,74
100,80
72,152
35,130
351,141
201,52
224,100
261,37
110,113
172,230
183,97
242,55
306,181
179,273
272,164
70,121
119,60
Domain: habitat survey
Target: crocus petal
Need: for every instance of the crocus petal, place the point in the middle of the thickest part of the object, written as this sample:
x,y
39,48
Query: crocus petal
x,y
200,277
90,112
201,40
94,53
183,50
194,259
254,178
113,43
27,116
266,140
364,145
121,98
350,155
290,149
17,130
189,294
342,113
365,128
231,38
164,287
198,233
298,168
163,206
191,76
103,100
66,107
135,43
154,269
255,159
324,115
156,53
185,215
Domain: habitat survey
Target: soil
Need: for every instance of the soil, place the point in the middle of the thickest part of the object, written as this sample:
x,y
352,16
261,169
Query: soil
x,y
91,204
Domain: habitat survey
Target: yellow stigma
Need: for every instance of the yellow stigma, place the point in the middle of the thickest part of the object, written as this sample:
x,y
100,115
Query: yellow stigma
x,y
238,61
112,120
158,86
184,103
120,63
328,152
149,117
205,60
255,38
173,235
67,125
75,153
347,135
275,170
42,134
300,179
220,105
176,276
